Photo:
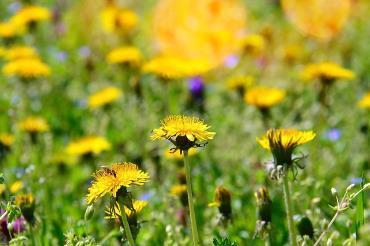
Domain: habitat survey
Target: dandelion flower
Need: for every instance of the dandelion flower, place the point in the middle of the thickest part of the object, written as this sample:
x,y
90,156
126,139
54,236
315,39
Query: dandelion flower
x,y
104,97
109,180
193,29
124,55
30,14
16,186
20,52
176,155
183,131
33,124
8,30
282,142
26,203
115,19
240,82
6,139
176,68
253,44
222,200
88,145
115,213
320,19
178,190
365,101
26,68
326,71
264,97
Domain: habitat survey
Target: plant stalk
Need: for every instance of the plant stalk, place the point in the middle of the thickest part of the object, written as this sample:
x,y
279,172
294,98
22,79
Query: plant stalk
x,y
289,211
193,222
126,225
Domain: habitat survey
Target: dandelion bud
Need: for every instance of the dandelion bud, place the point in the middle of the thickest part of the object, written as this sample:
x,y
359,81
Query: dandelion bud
x,y
334,191
222,200
366,186
180,191
305,227
264,205
350,187
89,212
10,226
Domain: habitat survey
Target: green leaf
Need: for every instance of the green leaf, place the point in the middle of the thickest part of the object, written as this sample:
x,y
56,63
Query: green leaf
x,y
223,242
2,178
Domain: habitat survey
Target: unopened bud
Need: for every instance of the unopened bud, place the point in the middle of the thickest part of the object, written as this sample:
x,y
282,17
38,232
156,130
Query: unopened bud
x,y
223,201
10,226
334,191
350,187
264,205
89,212
305,227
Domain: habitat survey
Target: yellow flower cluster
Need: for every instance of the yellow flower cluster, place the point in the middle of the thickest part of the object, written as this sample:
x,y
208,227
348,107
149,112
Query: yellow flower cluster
x,y
109,180
115,212
176,68
327,71
20,52
104,97
193,29
264,97
88,145
33,124
125,55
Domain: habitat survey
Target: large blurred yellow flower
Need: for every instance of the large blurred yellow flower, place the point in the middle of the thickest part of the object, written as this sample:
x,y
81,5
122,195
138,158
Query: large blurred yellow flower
x,y
176,68
193,29
29,15
115,212
88,145
327,71
264,97
20,52
321,19
365,101
104,97
124,55
109,180
33,124
26,68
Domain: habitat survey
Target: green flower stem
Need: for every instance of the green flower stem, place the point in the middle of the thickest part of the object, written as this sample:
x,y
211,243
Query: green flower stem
x,y
126,226
193,222
289,211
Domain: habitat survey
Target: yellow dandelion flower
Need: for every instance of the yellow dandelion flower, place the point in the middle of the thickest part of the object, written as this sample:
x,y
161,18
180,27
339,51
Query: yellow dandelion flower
x,y
110,179
320,19
253,44
240,82
183,131
33,124
365,101
6,139
8,29
176,155
63,158
20,52
115,213
104,97
176,68
126,20
222,200
88,145
292,52
264,97
286,139
193,29
24,199
125,55
26,68
115,19
326,71
30,14
178,190
16,186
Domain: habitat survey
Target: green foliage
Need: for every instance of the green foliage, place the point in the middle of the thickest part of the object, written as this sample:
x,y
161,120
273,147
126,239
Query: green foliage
x,y
220,241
